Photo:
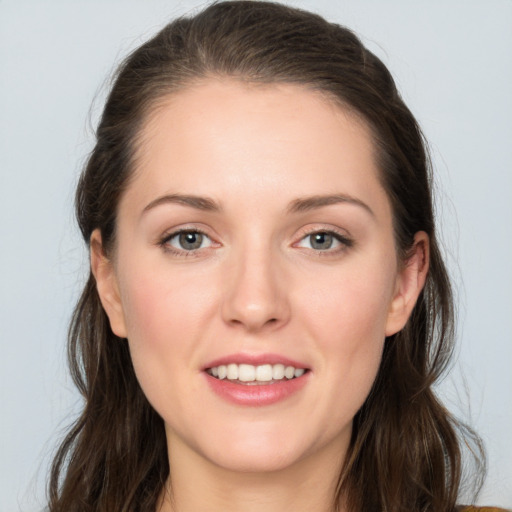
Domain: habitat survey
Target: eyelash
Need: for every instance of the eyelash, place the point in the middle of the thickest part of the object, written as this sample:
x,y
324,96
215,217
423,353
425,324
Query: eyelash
x,y
345,242
164,242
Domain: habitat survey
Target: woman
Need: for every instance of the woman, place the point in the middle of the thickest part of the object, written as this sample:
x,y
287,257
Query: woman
x,y
267,309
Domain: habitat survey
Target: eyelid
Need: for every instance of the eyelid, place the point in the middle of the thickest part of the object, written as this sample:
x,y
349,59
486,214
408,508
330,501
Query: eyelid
x,y
163,240
341,236
184,229
344,239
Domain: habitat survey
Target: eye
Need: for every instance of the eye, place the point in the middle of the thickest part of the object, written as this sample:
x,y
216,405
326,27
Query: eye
x,y
187,240
324,241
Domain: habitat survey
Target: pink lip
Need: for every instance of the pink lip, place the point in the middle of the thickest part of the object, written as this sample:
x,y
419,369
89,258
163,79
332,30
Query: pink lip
x,y
254,359
256,394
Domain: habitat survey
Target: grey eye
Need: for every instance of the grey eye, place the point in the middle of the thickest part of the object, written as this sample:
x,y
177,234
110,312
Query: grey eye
x,y
327,241
190,240
321,241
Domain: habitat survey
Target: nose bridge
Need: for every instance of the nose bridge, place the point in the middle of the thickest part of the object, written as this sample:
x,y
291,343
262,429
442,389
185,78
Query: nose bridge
x,y
255,296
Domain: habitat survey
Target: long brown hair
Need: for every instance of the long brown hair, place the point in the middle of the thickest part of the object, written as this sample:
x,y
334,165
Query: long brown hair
x,y
405,450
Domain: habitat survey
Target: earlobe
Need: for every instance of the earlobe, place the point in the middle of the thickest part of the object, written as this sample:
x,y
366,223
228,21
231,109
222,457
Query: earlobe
x,y
409,284
106,284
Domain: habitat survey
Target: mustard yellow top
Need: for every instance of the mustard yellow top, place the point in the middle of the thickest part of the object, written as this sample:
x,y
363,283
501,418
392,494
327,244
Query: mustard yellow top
x,y
483,509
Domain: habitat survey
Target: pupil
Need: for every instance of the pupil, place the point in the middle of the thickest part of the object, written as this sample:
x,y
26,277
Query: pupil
x,y
321,241
191,240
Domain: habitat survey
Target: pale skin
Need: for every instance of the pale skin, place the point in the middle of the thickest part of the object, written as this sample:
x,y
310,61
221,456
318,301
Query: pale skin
x,y
296,257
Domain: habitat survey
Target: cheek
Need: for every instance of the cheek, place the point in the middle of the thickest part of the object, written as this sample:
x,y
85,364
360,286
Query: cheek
x,y
160,307
353,302
348,320
165,315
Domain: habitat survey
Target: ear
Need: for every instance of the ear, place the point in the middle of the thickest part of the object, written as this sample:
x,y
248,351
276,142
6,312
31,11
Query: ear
x,y
106,284
409,283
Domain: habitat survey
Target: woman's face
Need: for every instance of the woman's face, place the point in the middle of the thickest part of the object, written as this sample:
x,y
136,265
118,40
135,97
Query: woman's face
x,y
255,240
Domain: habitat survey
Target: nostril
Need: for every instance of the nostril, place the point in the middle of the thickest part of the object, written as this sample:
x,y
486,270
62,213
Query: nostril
x,y
265,323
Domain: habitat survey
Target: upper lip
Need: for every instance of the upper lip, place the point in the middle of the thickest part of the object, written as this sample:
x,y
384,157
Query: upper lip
x,y
255,360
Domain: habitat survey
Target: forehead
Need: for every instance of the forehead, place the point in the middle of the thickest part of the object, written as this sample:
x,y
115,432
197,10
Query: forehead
x,y
225,138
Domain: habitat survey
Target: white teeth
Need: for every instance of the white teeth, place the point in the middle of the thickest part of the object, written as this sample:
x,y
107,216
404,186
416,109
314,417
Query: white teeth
x,y
232,372
250,373
246,372
278,371
264,372
289,372
223,371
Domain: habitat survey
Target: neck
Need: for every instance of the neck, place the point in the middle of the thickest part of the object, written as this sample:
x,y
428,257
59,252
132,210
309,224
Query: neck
x,y
198,484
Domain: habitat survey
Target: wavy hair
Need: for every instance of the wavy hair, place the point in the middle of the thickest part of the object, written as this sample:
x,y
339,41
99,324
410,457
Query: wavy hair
x,y
405,450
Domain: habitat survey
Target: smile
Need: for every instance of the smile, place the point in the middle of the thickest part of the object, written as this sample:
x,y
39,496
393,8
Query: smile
x,y
248,373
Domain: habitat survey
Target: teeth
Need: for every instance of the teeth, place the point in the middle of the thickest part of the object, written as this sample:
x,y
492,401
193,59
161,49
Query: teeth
x,y
232,372
250,373
289,372
223,371
246,372
278,371
264,373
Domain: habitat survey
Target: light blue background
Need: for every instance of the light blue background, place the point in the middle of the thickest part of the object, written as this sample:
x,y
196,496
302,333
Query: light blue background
x,y
453,63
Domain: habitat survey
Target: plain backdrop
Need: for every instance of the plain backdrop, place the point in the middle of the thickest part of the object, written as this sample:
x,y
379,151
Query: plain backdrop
x,y
452,61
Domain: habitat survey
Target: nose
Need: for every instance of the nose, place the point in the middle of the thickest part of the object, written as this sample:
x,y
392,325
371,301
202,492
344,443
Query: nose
x,y
256,296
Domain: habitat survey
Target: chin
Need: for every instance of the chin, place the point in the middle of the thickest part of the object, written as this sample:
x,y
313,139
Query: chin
x,y
267,450
256,461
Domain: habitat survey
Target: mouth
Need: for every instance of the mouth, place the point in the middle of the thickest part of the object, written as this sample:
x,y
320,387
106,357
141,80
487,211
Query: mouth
x,y
249,374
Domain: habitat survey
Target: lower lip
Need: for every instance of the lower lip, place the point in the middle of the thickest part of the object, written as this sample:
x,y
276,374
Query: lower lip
x,y
256,394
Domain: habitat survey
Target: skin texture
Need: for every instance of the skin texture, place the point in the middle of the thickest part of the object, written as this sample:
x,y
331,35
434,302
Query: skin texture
x,y
256,286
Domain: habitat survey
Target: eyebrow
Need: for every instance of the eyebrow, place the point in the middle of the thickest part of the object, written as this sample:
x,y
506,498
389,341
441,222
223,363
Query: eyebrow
x,y
197,202
297,206
312,203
